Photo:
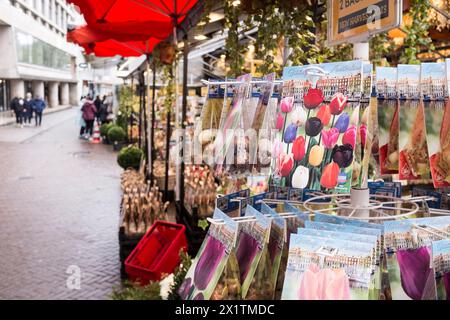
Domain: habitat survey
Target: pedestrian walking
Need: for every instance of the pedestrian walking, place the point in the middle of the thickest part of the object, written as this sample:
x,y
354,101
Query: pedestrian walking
x,y
38,107
28,109
81,121
98,104
89,112
16,106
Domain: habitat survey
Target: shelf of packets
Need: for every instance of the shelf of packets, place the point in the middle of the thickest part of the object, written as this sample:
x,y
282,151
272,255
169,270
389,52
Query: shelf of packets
x,y
267,247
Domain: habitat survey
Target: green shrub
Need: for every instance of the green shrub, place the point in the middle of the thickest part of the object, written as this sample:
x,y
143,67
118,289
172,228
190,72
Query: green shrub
x,y
130,157
104,128
116,133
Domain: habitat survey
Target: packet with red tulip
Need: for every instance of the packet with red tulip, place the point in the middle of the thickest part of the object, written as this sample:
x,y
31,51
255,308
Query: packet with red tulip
x,y
413,162
388,120
437,116
328,269
318,126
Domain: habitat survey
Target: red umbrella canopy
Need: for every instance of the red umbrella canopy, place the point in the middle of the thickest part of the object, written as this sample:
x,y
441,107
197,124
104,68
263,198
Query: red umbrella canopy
x,y
150,17
110,48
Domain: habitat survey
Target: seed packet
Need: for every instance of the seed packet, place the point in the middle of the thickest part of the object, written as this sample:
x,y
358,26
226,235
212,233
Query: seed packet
x,y
413,161
207,268
437,116
388,120
231,204
408,256
226,135
265,279
441,265
327,269
359,165
321,217
253,237
318,126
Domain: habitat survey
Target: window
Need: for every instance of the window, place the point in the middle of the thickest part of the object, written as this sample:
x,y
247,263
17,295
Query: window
x,y
34,51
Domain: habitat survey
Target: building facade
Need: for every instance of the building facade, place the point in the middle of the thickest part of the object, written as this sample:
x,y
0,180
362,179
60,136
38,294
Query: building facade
x,y
36,57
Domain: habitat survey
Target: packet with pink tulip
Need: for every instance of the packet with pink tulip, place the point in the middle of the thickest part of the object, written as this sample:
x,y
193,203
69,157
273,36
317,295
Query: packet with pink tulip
x,y
440,251
318,126
327,269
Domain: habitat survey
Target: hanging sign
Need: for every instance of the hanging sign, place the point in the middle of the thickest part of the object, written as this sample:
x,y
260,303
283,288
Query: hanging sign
x,y
356,20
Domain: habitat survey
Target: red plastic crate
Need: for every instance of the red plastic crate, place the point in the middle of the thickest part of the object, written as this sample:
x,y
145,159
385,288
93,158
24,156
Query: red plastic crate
x,y
158,252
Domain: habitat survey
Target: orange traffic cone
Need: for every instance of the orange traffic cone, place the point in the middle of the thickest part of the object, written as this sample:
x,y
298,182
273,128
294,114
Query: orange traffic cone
x,y
96,138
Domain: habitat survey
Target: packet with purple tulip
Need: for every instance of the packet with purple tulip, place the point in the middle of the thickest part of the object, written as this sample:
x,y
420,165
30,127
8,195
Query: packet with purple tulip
x,y
202,279
328,269
408,256
441,264
318,126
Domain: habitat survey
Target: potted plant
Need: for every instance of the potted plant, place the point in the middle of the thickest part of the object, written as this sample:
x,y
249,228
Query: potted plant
x,y
130,157
104,128
117,136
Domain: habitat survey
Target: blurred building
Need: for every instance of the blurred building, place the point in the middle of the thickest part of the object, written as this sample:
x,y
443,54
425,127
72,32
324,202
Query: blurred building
x,y
36,57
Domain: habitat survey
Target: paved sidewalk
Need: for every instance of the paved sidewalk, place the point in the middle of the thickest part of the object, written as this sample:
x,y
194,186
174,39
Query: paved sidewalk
x,y
59,200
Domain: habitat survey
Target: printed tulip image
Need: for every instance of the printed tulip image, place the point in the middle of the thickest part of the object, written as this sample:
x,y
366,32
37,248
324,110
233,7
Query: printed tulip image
x,y
324,114
290,133
284,164
185,288
338,104
316,155
286,104
342,122
313,98
298,116
330,137
325,284
208,262
245,253
447,284
300,177
313,126
363,133
277,148
330,175
280,122
415,272
349,136
298,148
342,155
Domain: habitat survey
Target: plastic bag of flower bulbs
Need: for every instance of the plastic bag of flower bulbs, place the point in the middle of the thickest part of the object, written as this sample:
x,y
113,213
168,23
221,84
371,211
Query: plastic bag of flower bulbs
x,y
141,204
200,189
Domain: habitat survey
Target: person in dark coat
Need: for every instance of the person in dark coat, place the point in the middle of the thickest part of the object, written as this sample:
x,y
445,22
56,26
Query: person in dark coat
x,y
28,109
89,111
38,107
98,105
15,106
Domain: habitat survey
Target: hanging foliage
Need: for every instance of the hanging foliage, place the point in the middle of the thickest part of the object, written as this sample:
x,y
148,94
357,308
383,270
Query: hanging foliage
x,y
417,36
380,46
233,48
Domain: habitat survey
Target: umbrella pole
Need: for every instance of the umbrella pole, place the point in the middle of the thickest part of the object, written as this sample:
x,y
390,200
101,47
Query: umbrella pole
x,y
183,116
149,146
144,94
140,113
152,129
166,171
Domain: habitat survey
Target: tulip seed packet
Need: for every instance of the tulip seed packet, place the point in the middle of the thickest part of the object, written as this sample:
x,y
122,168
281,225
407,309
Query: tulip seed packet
x,y
408,256
327,269
441,265
413,161
233,120
265,280
359,165
253,237
388,119
318,126
203,276
437,115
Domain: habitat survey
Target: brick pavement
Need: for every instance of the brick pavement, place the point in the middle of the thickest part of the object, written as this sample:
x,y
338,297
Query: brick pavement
x,y
59,199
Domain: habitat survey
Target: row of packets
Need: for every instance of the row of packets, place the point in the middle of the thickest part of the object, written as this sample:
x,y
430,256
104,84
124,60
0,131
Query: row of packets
x,y
329,258
242,258
414,121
